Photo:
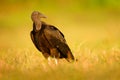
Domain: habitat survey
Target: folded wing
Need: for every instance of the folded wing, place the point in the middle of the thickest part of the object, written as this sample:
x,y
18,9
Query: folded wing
x,y
56,39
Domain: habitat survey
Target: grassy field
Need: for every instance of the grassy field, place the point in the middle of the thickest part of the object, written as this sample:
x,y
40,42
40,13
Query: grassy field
x,y
92,34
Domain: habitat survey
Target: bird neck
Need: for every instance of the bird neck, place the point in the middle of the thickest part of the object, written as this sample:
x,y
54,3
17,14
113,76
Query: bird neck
x,y
37,26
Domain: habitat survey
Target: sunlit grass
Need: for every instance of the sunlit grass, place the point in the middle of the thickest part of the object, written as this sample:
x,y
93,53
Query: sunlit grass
x,y
98,56
29,64
92,34
96,47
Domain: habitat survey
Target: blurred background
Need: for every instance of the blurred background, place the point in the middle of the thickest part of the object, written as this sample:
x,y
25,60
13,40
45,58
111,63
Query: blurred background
x,y
95,22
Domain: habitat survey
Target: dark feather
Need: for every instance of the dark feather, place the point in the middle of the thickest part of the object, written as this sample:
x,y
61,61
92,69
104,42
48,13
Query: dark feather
x,y
51,42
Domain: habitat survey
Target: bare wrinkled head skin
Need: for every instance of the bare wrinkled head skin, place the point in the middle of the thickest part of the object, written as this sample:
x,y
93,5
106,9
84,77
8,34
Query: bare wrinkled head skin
x,y
35,16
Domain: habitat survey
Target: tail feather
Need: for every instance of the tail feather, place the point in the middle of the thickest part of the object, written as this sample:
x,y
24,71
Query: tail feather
x,y
65,52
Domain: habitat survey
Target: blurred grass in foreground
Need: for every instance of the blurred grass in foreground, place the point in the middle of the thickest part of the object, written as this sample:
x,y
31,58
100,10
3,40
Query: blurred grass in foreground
x,y
27,64
91,28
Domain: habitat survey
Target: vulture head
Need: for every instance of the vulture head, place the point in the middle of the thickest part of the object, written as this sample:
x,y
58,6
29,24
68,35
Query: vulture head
x,y
36,16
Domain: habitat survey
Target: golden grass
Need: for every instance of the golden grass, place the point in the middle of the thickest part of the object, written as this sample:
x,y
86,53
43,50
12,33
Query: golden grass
x,y
98,56
96,45
28,64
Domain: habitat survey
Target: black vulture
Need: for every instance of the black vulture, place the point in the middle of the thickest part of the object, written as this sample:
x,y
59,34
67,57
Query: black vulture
x,y
48,39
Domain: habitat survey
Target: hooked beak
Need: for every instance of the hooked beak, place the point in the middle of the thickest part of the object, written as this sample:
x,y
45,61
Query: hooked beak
x,y
37,16
42,16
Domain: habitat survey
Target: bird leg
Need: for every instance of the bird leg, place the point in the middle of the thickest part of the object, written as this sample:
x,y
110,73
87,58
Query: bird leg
x,y
56,60
52,60
54,53
49,59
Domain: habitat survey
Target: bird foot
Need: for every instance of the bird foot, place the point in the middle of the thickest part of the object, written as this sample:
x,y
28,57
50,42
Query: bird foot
x,y
52,61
